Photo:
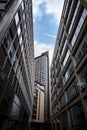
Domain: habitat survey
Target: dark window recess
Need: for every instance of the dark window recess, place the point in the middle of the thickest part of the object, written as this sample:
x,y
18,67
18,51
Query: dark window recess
x,y
7,40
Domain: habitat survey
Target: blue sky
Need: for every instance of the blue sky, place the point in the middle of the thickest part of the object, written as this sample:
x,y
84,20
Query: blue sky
x,y
46,17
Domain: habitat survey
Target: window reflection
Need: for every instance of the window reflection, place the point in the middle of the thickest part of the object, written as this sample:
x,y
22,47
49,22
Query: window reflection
x,y
16,107
81,50
66,57
74,16
17,18
20,40
68,72
80,23
22,5
19,30
24,16
64,47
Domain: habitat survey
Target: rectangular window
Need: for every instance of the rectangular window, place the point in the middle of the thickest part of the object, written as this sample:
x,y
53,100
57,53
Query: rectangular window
x,y
77,118
74,16
22,5
64,47
11,53
7,40
19,30
66,57
17,18
83,74
68,72
72,90
82,48
80,23
2,5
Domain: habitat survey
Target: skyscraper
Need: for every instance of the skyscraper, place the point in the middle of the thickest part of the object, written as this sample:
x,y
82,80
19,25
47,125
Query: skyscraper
x,y
16,64
69,69
42,77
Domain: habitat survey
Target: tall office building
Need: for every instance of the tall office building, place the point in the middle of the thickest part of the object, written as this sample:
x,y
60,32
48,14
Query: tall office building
x,y
16,64
69,69
42,77
38,108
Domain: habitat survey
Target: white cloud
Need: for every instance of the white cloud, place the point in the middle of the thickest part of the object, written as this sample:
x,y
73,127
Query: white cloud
x,y
37,13
53,7
42,47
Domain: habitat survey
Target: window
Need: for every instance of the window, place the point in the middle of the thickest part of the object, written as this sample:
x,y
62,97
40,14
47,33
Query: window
x,y
66,57
81,50
64,47
24,25
2,5
74,16
11,53
20,40
17,18
15,110
7,40
83,74
24,16
80,23
72,90
77,118
15,63
68,72
19,30
22,5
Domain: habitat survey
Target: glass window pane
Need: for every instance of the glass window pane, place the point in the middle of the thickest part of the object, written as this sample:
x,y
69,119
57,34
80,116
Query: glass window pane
x,y
22,5
72,90
20,40
83,74
17,18
66,57
19,30
7,40
24,16
2,5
